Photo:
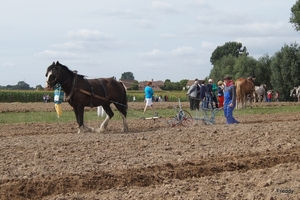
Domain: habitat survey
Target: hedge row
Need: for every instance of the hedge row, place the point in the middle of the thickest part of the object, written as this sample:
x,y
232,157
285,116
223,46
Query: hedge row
x,y
23,95
37,96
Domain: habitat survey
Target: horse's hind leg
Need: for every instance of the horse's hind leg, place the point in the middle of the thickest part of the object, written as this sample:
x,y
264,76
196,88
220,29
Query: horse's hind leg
x,y
122,109
104,125
125,125
109,115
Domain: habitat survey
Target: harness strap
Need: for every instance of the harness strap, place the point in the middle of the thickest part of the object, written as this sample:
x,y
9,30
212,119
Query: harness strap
x,y
93,95
105,93
73,87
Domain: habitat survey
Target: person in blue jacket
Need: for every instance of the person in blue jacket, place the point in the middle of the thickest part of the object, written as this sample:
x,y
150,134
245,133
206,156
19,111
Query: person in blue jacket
x,y
229,100
148,97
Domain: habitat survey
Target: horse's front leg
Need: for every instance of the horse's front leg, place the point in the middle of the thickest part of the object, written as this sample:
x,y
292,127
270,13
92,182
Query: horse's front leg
x,y
79,118
76,115
79,111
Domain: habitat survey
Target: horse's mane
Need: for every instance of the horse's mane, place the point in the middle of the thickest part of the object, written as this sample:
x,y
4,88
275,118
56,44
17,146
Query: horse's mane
x,y
67,69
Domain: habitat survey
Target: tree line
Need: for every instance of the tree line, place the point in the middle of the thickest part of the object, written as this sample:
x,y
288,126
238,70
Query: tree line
x,y
280,72
21,85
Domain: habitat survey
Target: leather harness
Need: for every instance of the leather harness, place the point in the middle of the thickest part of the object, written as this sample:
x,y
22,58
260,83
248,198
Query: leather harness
x,y
92,94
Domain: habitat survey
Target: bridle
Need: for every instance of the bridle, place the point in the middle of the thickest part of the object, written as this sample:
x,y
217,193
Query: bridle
x,y
56,79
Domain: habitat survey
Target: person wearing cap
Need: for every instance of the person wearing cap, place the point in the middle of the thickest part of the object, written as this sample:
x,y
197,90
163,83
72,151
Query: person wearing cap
x,y
192,93
209,95
229,100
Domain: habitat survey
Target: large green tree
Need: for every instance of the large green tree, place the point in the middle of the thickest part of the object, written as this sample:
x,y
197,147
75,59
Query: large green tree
x,y
127,76
22,86
295,15
168,85
263,71
222,67
285,67
229,48
245,67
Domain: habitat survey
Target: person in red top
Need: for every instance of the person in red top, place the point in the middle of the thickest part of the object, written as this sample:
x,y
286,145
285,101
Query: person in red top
x,y
220,94
269,96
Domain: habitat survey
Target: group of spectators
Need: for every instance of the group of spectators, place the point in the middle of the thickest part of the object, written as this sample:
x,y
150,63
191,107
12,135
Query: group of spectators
x,y
208,95
211,96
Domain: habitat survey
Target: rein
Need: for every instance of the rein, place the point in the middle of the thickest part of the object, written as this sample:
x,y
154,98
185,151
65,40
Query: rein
x,y
66,81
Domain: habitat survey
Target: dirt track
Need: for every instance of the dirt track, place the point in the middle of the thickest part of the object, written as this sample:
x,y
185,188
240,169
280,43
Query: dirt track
x,y
256,159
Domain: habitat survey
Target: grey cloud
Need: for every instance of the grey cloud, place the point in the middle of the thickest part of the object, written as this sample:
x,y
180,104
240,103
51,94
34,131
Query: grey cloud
x,y
165,7
86,34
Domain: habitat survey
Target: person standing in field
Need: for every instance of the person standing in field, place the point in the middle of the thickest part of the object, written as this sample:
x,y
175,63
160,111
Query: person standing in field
x,y
209,95
148,97
214,93
192,93
220,93
58,98
202,94
229,100
269,96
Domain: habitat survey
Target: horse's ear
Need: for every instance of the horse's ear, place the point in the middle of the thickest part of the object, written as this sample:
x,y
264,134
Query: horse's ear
x,y
57,62
53,63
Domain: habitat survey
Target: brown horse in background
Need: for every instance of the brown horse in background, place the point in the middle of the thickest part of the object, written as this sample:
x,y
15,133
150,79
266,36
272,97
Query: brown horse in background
x,y
81,92
244,87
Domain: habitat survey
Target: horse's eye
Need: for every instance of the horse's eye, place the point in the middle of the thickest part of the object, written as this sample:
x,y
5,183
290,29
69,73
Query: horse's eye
x,y
51,77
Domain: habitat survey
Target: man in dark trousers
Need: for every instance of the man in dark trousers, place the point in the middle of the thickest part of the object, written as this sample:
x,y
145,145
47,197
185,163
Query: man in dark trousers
x,y
209,95
202,94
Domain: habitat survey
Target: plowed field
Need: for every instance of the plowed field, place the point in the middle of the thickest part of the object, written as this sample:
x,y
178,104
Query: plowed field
x,y
256,159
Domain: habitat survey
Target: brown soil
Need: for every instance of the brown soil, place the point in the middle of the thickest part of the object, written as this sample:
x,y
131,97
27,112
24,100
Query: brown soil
x,y
256,159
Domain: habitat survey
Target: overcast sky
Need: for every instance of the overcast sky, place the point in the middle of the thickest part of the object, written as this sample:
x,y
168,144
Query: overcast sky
x,y
167,39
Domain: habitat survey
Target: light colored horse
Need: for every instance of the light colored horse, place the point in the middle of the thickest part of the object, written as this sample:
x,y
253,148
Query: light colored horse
x,y
260,93
294,93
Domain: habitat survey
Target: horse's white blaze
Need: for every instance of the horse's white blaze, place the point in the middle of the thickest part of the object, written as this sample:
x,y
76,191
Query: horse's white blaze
x,y
47,80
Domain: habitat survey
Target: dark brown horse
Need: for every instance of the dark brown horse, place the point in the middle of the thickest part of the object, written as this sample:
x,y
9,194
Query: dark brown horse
x,y
81,92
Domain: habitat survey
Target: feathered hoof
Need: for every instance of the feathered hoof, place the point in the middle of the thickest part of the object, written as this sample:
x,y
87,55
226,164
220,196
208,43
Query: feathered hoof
x,y
85,129
99,130
125,130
